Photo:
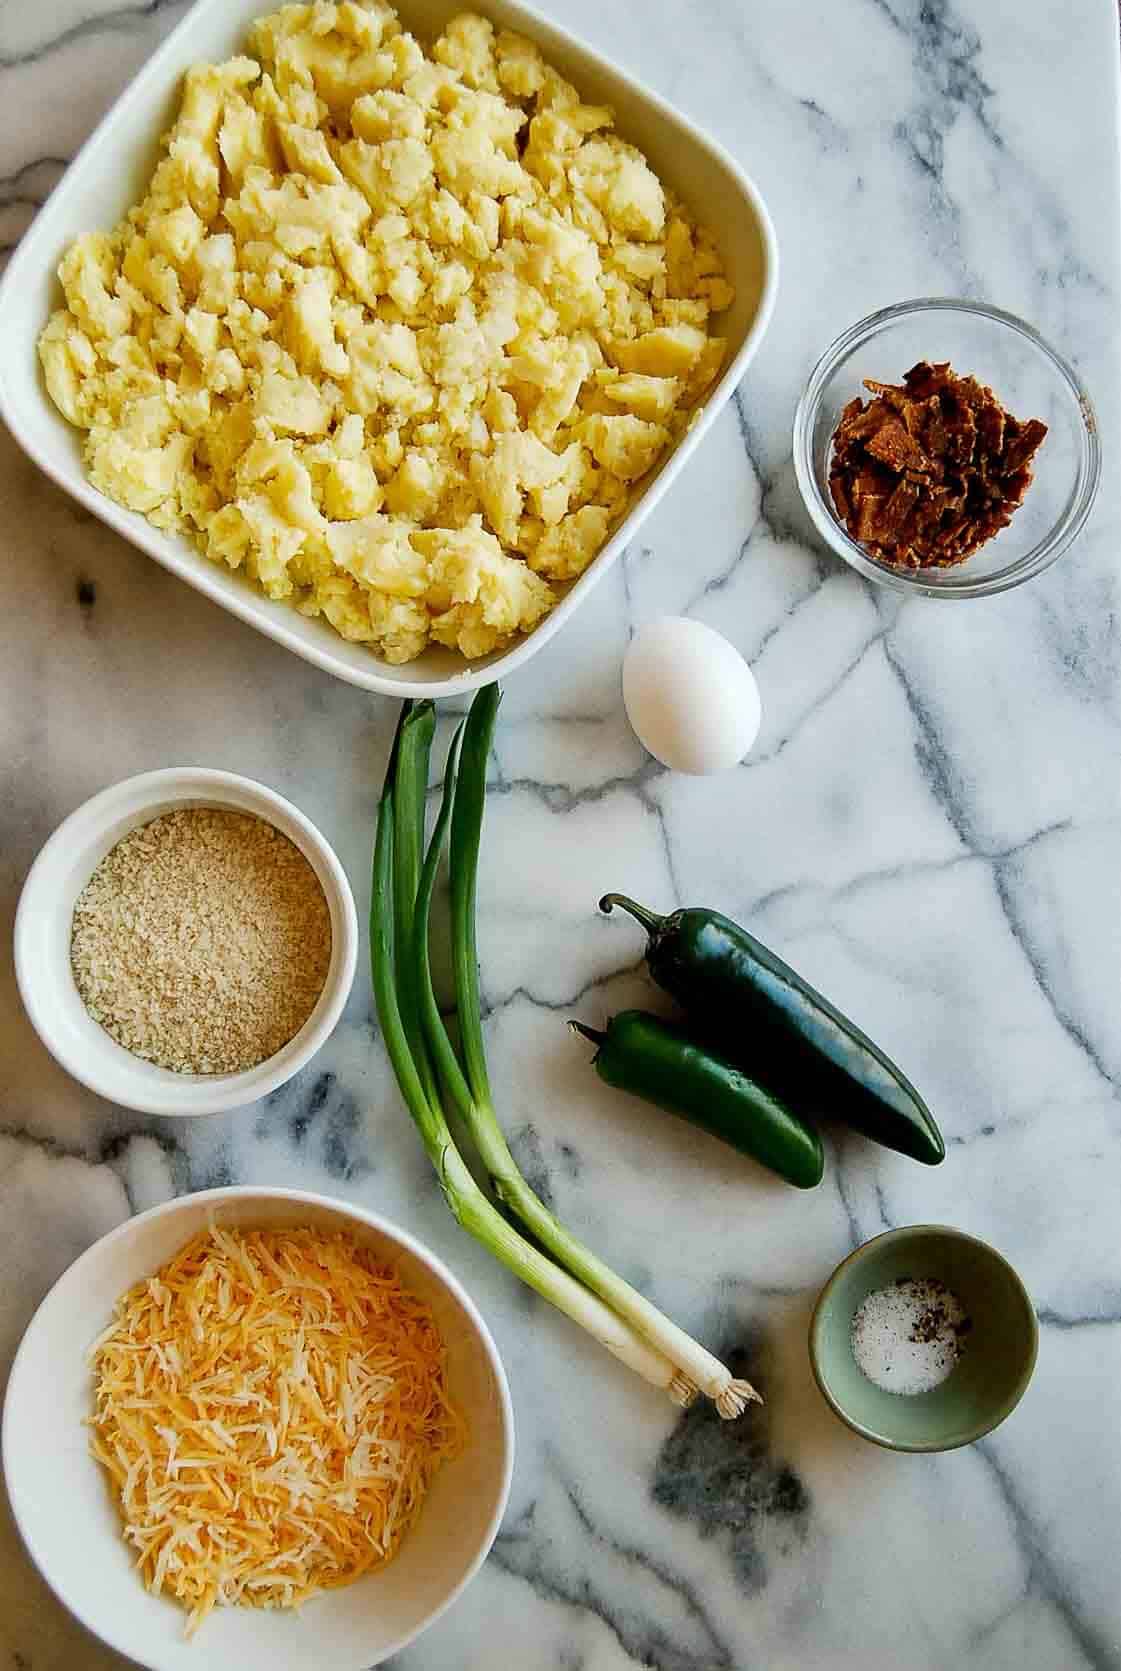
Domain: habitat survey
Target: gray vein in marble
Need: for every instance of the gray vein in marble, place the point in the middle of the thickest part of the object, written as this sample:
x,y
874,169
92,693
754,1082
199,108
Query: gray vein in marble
x,y
948,83
103,1151
828,129
1093,663
781,511
536,1167
719,581
217,1174
780,515
838,1174
529,1155
831,133
49,1145
329,1117
886,1220
936,765
726,1481
763,757
646,1641
22,193
949,792
1049,1319
22,186
563,721
799,602
113,1151
1044,1578
946,54
121,18
496,1004
560,797
959,1141
945,50
1004,881
911,869
626,560
769,1290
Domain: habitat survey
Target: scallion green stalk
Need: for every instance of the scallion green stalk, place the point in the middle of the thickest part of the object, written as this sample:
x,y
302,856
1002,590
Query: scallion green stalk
x,y
696,1366
412,749
468,1204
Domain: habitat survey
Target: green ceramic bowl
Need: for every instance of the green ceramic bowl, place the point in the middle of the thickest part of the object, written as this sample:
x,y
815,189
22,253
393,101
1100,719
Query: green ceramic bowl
x,y
989,1379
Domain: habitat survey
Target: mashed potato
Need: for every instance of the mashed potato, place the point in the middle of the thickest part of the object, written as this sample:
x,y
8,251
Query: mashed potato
x,y
394,334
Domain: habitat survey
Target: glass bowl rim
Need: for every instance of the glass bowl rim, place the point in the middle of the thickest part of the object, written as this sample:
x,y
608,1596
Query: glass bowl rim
x,y
1045,552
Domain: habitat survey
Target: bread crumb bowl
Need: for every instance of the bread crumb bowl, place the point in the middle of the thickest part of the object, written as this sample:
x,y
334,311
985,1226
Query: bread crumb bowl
x,y
43,943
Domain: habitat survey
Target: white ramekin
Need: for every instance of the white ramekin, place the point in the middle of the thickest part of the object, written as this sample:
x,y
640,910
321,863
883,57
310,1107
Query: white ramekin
x,y
43,929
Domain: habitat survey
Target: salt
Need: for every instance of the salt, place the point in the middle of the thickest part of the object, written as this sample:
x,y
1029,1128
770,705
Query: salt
x,y
907,1338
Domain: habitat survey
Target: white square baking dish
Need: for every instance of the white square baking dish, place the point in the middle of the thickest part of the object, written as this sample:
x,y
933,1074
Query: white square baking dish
x,y
111,171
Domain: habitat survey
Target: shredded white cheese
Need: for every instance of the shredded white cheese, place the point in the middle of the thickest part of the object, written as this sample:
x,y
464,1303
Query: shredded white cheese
x,y
271,1408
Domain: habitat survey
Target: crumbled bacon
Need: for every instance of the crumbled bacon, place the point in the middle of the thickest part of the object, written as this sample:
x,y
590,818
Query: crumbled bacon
x,y
929,469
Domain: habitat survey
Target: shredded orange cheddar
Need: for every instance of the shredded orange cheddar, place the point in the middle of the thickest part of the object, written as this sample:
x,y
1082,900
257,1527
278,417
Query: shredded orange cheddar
x,y
271,1408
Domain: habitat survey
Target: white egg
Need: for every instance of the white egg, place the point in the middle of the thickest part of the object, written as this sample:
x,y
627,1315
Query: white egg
x,y
691,698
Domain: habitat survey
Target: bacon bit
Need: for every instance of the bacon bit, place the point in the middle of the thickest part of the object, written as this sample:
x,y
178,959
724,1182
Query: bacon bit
x,y
930,469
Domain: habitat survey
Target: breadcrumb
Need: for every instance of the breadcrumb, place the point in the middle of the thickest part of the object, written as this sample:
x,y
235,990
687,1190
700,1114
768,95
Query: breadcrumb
x,y
202,941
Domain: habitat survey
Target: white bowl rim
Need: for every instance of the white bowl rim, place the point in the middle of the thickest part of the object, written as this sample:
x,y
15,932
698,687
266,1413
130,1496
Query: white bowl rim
x,y
485,672
223,1092
374,1221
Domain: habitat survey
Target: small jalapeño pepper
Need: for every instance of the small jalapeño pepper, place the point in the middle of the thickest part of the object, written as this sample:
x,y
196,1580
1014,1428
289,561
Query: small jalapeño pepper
x,y
657,1062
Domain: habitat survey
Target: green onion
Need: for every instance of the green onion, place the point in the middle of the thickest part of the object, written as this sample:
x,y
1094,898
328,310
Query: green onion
x,y
412,748
467,831
477,1215
696,1366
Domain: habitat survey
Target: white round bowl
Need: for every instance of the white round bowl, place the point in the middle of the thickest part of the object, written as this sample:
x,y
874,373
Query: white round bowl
x,y
68,1521
43,929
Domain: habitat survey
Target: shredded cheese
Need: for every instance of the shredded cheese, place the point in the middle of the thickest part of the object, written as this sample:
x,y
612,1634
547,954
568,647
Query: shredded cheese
x,y
271,1408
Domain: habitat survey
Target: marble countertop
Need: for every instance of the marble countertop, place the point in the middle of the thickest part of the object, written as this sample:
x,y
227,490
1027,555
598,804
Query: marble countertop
x,y
927,827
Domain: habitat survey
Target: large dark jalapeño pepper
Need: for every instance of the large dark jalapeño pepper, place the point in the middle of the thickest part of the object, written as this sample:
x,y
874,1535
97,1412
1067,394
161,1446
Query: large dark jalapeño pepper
x,y
760,1013
646,1056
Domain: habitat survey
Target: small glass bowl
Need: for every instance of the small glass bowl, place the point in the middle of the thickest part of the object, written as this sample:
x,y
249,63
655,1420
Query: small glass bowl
x,y
1029,378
